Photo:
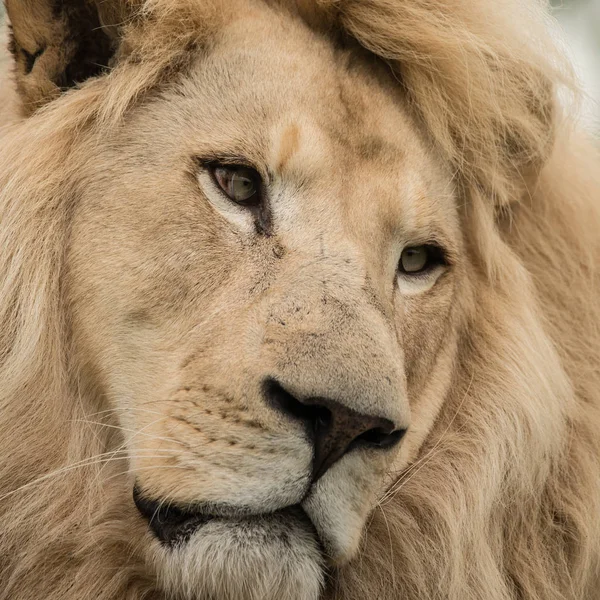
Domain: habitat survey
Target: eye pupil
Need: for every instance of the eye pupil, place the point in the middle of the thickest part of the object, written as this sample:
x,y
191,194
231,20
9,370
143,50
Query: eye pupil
x,y
241,184
413,260
418,259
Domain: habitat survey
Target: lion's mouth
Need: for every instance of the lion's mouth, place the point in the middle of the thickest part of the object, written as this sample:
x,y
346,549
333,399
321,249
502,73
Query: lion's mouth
x,y
171,524
174,525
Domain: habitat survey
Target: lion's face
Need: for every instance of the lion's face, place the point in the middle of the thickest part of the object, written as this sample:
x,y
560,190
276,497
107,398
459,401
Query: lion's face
x,y
264,274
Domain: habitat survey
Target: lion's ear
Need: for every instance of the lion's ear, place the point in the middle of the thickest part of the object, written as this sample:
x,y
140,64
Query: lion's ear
x,y
57,44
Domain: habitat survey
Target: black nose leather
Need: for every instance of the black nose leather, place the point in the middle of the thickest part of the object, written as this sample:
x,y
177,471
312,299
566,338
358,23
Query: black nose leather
x,y
334,428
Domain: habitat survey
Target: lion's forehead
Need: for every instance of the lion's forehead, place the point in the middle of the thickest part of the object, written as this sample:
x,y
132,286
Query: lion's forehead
x,y
325,122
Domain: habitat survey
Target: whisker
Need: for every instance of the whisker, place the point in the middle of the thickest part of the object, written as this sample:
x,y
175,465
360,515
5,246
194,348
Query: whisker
x,y
88,462
430,457
139,432
123,445
419,463
122,409
392,562
148,468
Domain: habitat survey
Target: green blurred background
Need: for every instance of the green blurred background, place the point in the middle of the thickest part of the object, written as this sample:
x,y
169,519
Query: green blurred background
x,y
580,21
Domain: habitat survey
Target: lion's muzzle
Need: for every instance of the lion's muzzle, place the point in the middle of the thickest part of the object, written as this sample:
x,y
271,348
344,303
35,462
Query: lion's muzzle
x,y
334,429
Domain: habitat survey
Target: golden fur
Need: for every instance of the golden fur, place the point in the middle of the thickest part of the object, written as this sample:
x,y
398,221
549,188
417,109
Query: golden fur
x,y
106,252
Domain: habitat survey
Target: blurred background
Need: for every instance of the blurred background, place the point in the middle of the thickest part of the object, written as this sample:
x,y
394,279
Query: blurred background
x,y
580,22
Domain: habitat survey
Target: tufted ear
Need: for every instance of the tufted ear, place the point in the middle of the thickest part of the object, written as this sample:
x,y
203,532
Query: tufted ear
x,y
57,44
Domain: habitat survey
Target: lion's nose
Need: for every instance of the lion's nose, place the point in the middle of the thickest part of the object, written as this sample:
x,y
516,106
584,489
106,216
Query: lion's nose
x,y
334,428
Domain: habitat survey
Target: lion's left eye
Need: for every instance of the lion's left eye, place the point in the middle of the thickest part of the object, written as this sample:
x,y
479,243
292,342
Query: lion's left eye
x,y
419,259
241,184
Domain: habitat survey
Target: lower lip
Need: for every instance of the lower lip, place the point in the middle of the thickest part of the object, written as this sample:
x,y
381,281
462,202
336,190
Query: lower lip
x,y
181,535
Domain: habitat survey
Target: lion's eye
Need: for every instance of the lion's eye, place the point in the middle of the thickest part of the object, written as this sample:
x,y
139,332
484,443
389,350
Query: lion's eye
x,y
241,184
418,259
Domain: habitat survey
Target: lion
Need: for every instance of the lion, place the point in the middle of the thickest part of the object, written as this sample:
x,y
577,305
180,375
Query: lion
x,y
298,301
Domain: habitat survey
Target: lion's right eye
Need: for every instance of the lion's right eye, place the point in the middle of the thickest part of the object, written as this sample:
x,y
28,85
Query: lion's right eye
x,y
241,184
416,260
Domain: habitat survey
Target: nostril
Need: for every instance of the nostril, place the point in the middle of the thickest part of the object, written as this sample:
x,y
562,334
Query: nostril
x,y
283,401
379,438
335,428
321,419
317,418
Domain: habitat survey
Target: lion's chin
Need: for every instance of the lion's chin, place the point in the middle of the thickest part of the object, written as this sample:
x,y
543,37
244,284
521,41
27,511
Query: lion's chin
x,y
270,557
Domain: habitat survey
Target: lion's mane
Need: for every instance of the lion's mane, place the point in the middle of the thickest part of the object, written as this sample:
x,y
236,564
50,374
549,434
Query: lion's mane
x,y
504,501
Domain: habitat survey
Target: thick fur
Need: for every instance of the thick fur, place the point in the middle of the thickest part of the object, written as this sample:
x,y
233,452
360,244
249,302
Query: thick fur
x,y
495,493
